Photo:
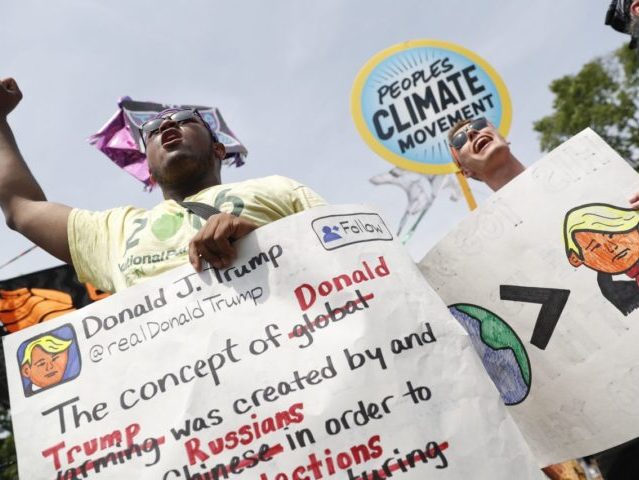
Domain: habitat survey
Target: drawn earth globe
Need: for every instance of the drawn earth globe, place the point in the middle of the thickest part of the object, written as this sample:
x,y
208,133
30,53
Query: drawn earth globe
x,y
501,351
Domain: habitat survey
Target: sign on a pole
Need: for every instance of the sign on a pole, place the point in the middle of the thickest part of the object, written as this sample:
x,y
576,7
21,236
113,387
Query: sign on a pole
x,y
407,97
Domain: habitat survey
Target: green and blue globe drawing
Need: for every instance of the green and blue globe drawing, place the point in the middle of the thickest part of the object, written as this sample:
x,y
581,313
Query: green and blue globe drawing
x,y
501,351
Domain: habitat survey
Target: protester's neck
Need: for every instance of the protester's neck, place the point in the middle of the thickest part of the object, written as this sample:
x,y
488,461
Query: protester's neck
x,y
180,192
505,173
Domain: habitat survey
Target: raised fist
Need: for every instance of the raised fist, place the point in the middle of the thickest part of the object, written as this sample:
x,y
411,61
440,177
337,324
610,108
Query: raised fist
x,y
10,96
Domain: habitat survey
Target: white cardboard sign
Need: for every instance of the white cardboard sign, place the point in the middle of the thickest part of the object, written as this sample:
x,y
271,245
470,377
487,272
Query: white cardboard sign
x,y
302,361
552,257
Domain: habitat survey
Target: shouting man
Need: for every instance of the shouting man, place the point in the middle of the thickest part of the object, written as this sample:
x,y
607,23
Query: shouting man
x,y
117,248
482,153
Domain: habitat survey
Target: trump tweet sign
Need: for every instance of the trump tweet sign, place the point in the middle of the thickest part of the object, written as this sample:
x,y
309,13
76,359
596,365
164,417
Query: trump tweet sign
x,y
320,354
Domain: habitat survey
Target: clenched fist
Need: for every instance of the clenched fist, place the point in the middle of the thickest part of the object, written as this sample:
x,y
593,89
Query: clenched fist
x,y
10,96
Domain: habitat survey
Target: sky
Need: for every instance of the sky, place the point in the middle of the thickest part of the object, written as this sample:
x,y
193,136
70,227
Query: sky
x,y
280,71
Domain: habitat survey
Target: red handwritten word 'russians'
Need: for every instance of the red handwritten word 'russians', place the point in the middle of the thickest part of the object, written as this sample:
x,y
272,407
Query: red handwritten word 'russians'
x,y
244,435
306,294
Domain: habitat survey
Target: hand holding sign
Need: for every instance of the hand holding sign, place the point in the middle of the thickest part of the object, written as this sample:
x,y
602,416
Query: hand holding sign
x,y
312,356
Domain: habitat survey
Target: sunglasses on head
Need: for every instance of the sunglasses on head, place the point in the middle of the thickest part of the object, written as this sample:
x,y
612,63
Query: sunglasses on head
x,y
151,127
460,138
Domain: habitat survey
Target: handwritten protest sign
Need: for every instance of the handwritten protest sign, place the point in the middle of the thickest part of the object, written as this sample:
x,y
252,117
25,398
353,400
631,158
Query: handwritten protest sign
x,y
322,353
547,268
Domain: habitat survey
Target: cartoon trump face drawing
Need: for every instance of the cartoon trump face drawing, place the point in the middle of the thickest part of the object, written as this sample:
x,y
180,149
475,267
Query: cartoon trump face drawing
x,y
605,238
602,237
45,360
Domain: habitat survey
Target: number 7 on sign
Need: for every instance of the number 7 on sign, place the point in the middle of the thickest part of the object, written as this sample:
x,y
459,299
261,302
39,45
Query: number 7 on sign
x,y
553,301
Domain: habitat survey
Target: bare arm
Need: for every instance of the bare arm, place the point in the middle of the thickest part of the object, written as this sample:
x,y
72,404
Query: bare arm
x,y
23,202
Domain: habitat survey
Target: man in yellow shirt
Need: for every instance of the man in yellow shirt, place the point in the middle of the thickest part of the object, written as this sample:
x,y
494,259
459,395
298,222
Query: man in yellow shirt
x,y
117,248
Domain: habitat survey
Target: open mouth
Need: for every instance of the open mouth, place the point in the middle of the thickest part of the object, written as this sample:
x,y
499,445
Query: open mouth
x,y
481,143
171,136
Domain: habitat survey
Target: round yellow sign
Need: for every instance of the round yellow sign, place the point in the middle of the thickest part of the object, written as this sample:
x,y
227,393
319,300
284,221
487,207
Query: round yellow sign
x,y
407,97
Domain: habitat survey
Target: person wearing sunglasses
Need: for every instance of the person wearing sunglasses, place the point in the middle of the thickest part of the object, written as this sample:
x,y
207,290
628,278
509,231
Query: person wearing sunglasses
x,y
482,153
120,247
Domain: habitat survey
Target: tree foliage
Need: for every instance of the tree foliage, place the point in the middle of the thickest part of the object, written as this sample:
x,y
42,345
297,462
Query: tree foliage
x,y
8,466
603,95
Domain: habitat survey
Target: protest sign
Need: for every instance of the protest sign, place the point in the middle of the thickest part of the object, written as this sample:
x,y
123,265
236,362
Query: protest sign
x,y
547,268
321,353
407,97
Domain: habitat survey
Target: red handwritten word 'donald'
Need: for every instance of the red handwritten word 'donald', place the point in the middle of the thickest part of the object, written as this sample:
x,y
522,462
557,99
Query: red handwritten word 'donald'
x,y
337,314
306,294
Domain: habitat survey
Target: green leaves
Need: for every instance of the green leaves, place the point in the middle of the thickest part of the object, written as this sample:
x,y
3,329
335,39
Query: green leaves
x,y
602,96
8,466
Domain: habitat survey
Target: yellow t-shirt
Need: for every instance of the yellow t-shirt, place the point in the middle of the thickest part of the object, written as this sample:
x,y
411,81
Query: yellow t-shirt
x,y
117,248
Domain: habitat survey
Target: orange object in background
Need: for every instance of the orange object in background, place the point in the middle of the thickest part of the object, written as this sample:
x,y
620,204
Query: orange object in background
x,y
41,296
24,307
94,293
570,470
37,297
